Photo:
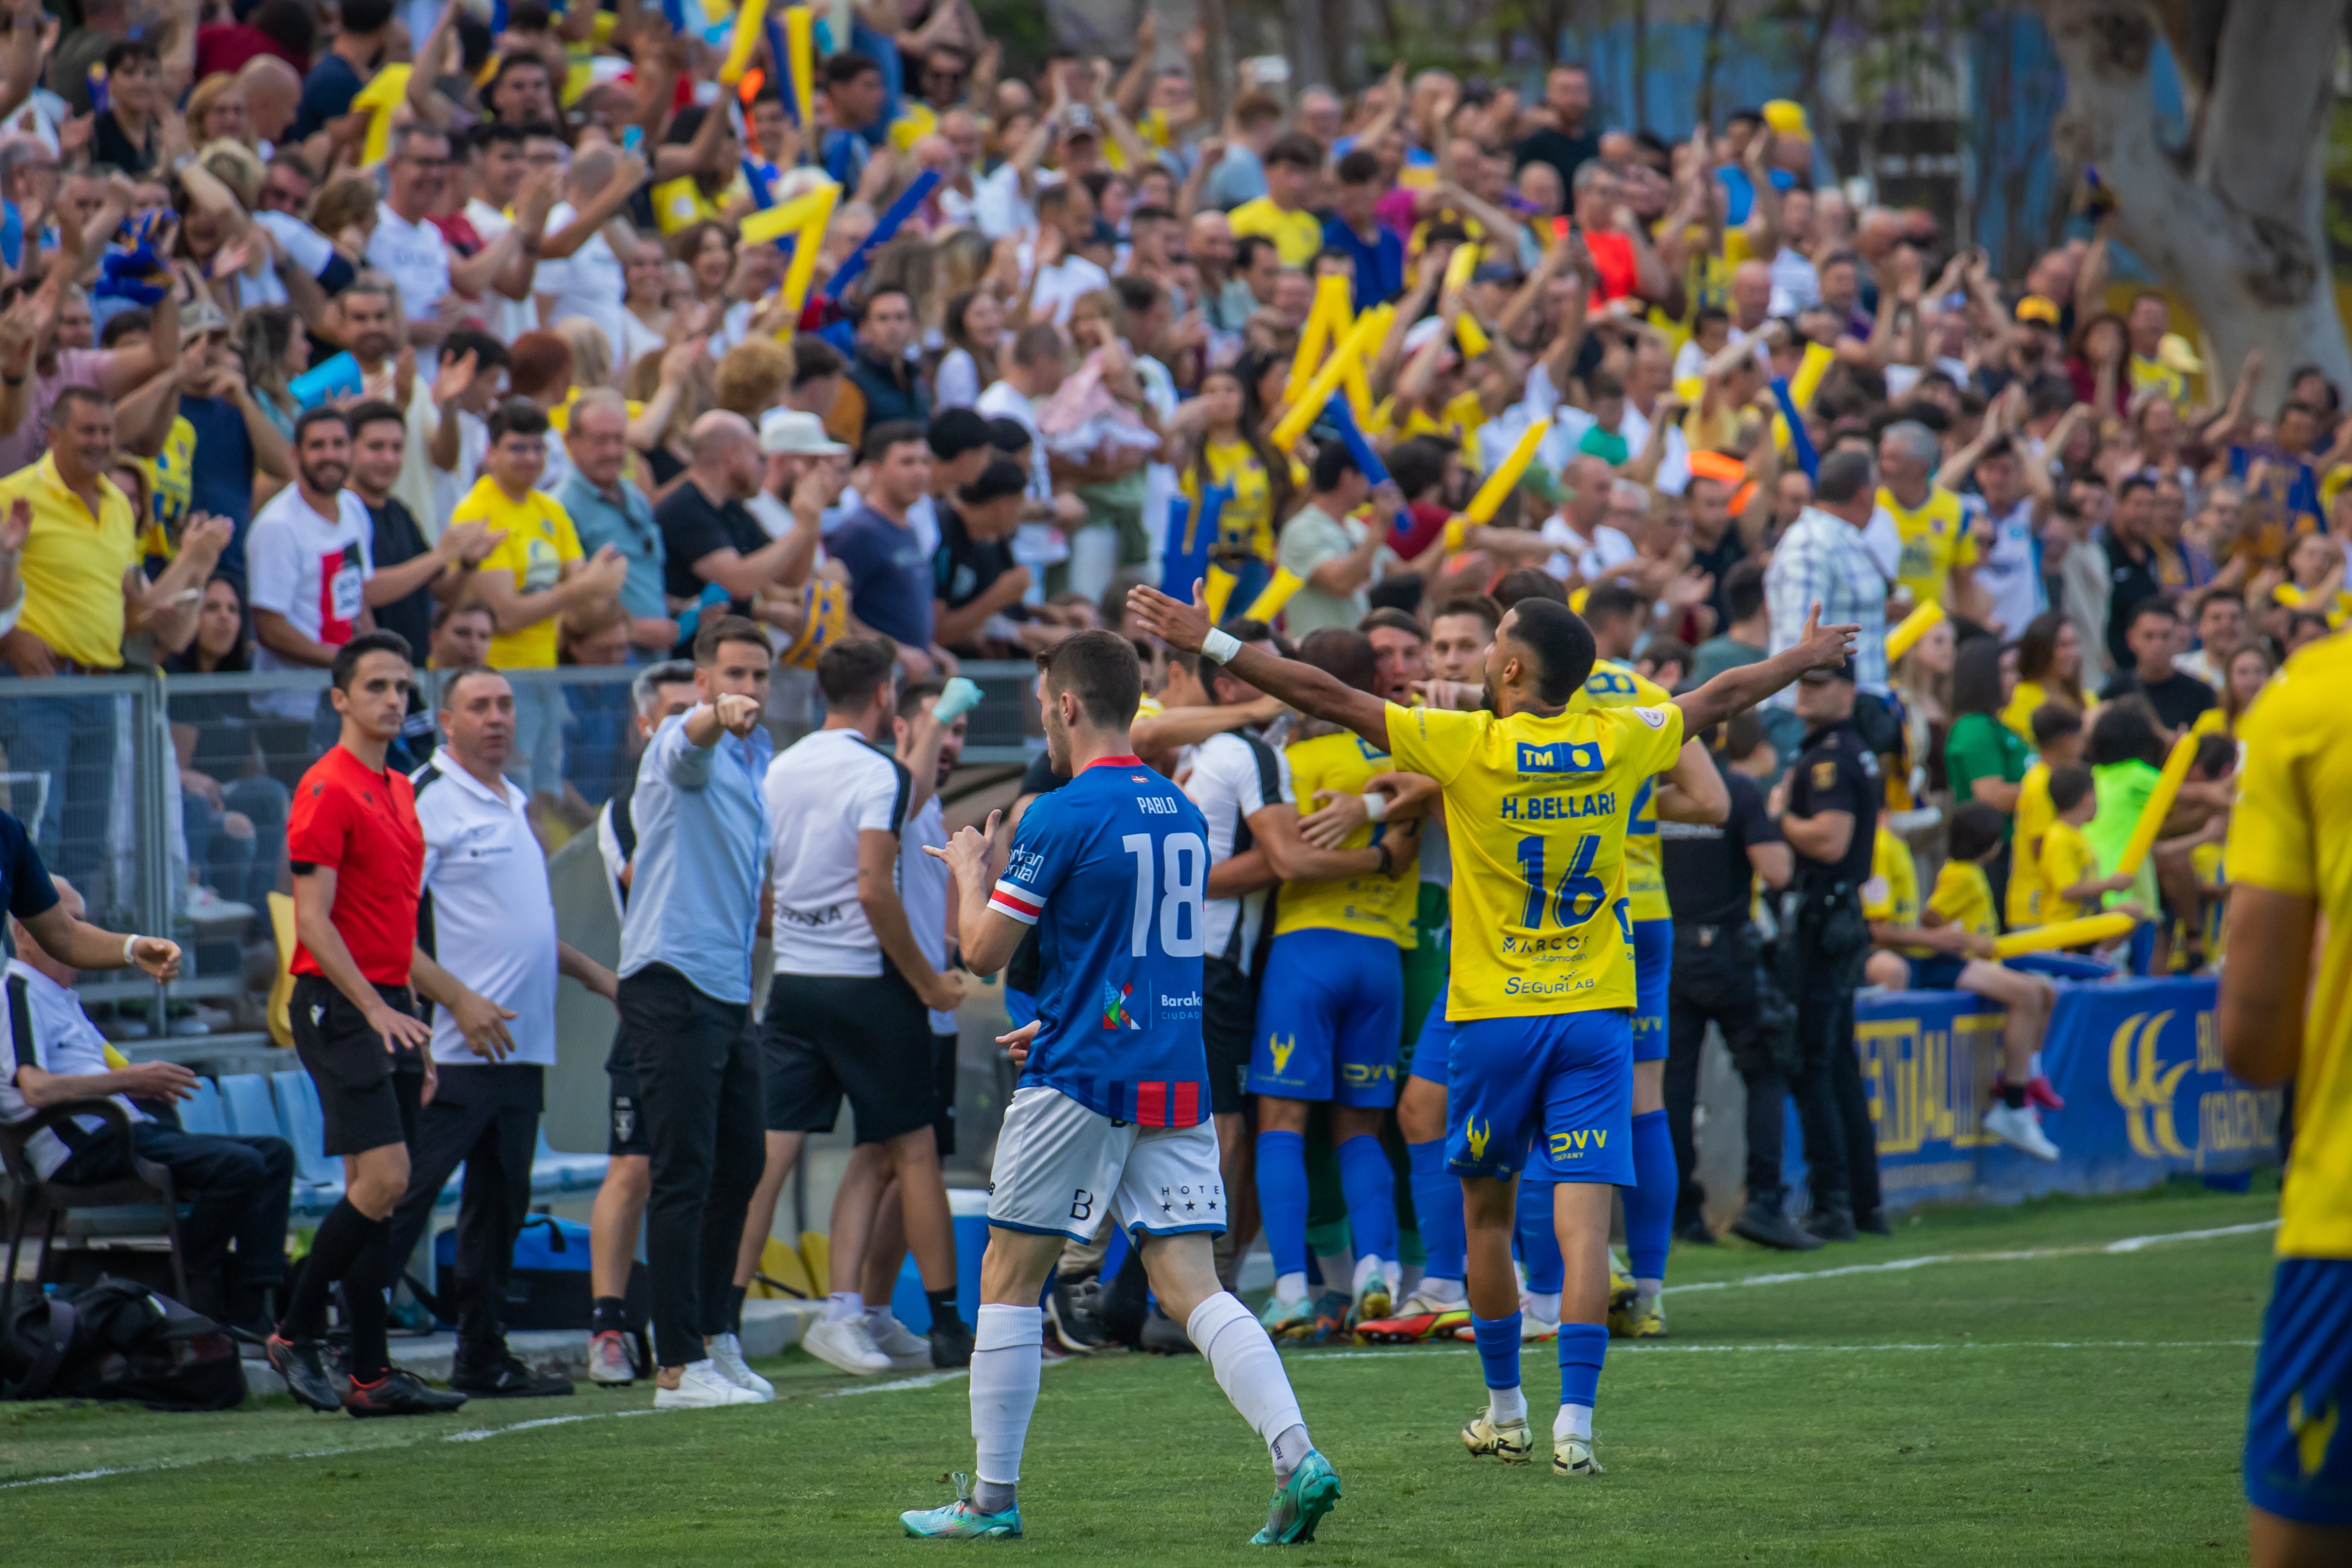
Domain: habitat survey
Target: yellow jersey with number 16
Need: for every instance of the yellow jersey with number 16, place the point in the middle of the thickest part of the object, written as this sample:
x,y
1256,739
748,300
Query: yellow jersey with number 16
x,y
2292,833
1614,685
1536,815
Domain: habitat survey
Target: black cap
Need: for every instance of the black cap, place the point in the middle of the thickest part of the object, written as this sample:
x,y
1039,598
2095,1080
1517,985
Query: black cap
x,y
955,431
1842,670
1001,478
1008,435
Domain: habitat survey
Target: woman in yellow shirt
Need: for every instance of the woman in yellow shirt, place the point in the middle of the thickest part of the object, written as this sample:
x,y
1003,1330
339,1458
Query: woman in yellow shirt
x,y
2049,667
1230,449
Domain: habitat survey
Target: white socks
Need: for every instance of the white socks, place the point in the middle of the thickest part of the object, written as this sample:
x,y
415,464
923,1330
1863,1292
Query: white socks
x,y
1290,1286
1446,1291
843,1305
1505,1406
1543,1307
1006,1363
1574,1421
1249,1368
1646,1291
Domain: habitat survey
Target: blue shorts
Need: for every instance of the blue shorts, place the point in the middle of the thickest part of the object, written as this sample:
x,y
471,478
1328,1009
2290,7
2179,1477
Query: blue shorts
x,y
1436,1042
2298,1439
1938,971
1020,1006
1564,1078
1653,970
1330,1008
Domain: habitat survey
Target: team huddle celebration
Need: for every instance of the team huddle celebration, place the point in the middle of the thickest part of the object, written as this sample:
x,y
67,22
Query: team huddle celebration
x,y
1312,711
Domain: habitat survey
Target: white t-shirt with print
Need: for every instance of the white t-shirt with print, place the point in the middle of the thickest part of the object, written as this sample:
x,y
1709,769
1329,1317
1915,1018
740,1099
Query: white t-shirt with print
x,y
311,570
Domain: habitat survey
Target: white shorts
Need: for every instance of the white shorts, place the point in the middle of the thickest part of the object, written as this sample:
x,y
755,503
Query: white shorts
x,y
1060,1168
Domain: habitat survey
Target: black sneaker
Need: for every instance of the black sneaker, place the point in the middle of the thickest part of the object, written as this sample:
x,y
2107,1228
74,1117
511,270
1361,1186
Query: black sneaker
x,y
1163,1335
1769,1225
303,1364
1835,1224
1876,1222
1066,1323
398,1392
507,1376
950,1343
1694,1231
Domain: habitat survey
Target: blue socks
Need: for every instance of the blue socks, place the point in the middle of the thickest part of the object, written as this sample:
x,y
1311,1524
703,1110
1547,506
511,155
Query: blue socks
x,y
1650,1201
1499,1349
1282,1199
1371,1188
1539,1239
1582,1348
1437,1205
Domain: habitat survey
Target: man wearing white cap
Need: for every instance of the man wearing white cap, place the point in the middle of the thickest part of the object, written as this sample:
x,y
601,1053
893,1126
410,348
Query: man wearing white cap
x,y
803,475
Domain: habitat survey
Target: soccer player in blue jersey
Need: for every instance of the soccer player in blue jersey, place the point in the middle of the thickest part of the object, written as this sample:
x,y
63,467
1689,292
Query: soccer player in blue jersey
x,y
1112,1114
1538,800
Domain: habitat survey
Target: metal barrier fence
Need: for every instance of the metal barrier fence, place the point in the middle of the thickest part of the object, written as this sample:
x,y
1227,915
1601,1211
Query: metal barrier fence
x,y
164,799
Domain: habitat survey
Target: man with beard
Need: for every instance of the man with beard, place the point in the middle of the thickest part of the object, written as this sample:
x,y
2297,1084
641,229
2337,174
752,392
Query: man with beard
x,y
309,556
409,574
410,248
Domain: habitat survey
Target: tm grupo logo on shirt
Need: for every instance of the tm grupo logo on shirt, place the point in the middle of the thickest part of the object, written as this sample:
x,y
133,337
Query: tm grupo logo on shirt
x,y
1560,757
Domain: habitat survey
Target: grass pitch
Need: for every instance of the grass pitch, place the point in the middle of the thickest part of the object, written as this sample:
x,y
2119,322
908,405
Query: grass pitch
x,y
2022,1391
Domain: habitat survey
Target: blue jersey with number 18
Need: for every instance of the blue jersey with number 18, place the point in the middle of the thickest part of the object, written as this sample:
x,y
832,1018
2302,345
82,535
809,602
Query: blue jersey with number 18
x,y
1113,871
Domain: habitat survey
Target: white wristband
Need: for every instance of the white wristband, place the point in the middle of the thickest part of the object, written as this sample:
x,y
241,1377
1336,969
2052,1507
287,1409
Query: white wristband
x,y
1376,806
1219,647
128,942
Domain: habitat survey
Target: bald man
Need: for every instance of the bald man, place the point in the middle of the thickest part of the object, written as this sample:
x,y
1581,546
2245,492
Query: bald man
x,y
1751,297
713,548
273,92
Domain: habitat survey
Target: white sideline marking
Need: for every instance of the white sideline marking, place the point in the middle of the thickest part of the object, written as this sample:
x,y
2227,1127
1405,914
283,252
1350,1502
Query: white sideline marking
x,y
2126,1244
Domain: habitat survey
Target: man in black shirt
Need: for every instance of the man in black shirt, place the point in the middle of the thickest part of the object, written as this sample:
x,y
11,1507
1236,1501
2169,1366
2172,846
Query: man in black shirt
x,y
2132,564
2151,638
974,576
710,542
1565,143
404,588
1709,872
1827,809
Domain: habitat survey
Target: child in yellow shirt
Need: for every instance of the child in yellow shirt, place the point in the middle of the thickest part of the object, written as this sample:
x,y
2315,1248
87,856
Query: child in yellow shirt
x,y
2058,740
2072,886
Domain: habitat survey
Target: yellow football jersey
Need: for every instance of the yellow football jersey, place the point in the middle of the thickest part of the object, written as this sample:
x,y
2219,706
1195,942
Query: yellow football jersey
x,y
1891,896
1536,811
1936,538
1369,904
2065,859
2292,833
2034,816
1614,685
1963,896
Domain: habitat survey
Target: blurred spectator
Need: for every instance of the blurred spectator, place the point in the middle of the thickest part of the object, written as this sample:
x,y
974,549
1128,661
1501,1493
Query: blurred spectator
x,y
233,811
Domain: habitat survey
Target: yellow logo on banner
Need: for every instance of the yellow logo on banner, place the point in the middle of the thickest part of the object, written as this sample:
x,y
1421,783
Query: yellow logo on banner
x,y
2144,1085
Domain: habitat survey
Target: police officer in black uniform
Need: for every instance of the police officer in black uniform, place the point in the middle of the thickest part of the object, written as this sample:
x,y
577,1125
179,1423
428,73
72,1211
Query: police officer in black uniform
x,y
1827,809
1709,872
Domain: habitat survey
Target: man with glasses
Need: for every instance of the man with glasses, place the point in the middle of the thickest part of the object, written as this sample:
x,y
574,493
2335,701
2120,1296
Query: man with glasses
x,y
411,248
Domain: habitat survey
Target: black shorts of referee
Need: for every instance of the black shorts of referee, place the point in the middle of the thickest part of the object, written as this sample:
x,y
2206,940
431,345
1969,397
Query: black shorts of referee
x,y
627,1126
864,1037
1228,1023
369,1097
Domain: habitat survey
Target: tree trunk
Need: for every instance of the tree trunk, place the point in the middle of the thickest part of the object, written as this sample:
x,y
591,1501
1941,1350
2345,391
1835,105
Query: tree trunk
x,y
2232,220
1311,64
1718,17
1640,65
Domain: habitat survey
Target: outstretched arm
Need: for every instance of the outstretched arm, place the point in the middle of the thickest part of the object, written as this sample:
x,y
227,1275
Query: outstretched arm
x,y
1304,687
1821,647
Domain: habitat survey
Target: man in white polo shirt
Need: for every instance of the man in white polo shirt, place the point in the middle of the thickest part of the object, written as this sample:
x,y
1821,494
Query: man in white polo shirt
x,y
488,911
408,246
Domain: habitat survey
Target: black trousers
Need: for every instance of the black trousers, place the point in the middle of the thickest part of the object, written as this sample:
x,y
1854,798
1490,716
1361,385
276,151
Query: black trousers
x,y
236,1189
486,1118
1824,940
1715,980
698,1091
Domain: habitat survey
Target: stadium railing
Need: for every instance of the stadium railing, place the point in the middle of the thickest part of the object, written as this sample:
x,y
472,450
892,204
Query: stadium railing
x,y
93,765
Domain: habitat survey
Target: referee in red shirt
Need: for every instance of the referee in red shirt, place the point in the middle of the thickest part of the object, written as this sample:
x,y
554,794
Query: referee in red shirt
x,y
357,856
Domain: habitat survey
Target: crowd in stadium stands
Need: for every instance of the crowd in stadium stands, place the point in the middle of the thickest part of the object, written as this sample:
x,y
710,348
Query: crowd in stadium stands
x,y
322,321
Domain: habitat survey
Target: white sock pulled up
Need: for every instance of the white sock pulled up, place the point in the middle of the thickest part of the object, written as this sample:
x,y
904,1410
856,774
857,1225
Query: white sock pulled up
x,y
1006,1365
1249,1370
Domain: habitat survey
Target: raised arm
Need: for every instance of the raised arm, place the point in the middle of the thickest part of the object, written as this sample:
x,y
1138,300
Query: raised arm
x,y
1821,647
1187,627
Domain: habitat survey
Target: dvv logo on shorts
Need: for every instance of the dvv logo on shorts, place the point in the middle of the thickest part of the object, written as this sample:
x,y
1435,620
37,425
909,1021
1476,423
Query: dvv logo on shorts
x,y
1574,1145
1114,1007
1560,757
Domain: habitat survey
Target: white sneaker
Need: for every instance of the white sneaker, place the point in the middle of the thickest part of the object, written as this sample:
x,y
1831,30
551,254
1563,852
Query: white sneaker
x,y
846,1343
608,1359
2020,1127
727,1355
907,1351
701,1386
206,908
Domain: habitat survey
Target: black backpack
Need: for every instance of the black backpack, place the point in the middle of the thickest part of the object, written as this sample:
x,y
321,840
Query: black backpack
x,y
116,1340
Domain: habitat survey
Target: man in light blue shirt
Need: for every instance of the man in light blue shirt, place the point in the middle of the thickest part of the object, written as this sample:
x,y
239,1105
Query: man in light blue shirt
x,y
608,510
685,1006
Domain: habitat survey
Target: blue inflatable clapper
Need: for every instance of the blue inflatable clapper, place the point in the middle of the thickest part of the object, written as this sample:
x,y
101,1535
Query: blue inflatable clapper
x,y
1367,460
713,596
960,696
323,382
900,210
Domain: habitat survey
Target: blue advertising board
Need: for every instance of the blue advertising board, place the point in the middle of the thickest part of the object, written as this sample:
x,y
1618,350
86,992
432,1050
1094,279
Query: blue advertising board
x,y
2139,1063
